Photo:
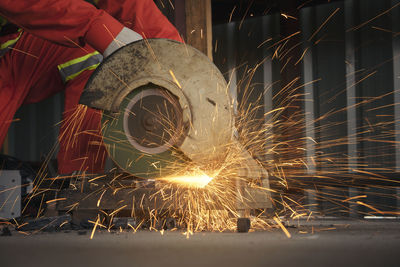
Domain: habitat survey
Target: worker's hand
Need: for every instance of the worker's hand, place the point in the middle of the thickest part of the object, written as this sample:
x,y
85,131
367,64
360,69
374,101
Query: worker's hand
x,y
125,37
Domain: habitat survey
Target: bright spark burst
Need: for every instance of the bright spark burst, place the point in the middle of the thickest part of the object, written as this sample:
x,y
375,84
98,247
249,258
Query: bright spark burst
x,y
189,180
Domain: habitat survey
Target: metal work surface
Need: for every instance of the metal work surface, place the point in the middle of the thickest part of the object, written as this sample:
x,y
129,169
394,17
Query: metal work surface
x,y
10,188
333,243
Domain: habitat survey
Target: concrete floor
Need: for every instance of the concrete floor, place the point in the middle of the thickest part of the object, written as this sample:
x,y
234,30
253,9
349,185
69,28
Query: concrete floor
x,y
373,243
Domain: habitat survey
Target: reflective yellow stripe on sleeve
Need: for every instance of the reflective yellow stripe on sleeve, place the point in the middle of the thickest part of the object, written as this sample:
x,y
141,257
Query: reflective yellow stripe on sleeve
x,y
71,69
4,47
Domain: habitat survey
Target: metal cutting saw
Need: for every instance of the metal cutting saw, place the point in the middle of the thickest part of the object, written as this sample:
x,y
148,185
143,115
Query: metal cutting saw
x,y
165,104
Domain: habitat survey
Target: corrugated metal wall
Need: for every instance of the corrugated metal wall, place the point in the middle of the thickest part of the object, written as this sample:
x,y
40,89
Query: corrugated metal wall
x,y
349,77
348,62
355,66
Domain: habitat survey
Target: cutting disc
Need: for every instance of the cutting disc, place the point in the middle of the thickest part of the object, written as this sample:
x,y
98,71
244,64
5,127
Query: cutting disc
x,y
152,120
164,103
142,137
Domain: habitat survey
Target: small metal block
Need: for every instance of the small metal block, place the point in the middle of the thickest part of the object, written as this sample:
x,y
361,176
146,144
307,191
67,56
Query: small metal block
x,y
123,222
5,232
243,225
10,194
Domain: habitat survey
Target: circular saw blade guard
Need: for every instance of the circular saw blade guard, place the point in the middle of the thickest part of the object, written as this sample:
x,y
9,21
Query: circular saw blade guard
x,y
192,120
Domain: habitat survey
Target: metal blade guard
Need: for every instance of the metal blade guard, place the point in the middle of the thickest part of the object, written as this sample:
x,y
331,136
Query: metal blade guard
x,y
164,103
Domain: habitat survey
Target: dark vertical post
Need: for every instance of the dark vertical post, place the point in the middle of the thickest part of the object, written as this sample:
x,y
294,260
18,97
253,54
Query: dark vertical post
x,y
193,20
199,25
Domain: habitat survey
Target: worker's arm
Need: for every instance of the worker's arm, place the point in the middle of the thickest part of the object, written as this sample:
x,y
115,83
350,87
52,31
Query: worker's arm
x,y
67,22
142,16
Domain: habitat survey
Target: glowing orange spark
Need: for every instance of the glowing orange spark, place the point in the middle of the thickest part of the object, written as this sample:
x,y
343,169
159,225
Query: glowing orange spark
x,y
55,200
372,19
95,226
322,25
369,206
26,53
282,227
175,80
193,181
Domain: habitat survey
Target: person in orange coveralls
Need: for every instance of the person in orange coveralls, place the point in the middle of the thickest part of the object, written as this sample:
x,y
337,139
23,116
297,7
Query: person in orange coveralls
x,y
55,46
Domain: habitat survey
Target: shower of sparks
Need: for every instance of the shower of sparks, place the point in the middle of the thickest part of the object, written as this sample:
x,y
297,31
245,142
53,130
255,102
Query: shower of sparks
x,y
213,198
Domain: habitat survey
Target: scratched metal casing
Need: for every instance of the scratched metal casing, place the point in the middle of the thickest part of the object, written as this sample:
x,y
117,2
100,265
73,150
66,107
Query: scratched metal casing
x,y
184,72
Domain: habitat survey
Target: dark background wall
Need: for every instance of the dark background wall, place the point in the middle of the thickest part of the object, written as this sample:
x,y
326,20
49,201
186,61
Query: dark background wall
x,y
343,59
346,76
